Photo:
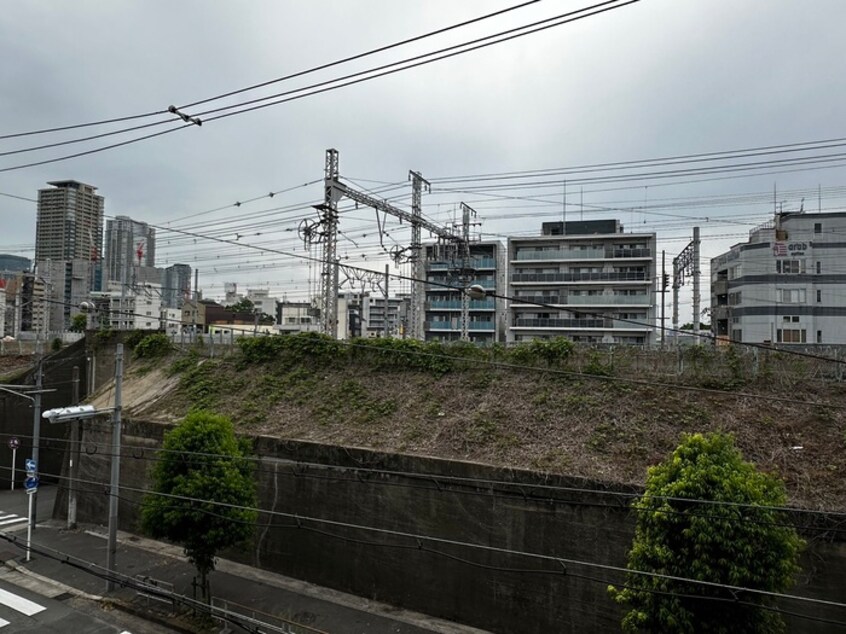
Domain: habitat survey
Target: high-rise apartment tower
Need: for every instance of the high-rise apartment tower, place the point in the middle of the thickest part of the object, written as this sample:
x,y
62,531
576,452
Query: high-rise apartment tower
x,y
69,224
129,244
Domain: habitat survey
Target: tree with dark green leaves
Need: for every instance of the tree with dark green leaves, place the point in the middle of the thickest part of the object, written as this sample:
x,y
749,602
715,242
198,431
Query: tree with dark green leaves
x,y
708,515
242,306
79,323
203,491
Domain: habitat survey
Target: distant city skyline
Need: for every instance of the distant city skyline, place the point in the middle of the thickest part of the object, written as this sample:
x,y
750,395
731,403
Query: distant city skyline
x,y
659,78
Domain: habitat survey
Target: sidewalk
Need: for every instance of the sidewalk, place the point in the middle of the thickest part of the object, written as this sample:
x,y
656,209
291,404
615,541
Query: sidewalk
x,y
269,595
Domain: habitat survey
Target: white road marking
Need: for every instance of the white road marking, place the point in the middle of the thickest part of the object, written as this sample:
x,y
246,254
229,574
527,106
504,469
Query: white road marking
x,y
3,622
24,606
15,520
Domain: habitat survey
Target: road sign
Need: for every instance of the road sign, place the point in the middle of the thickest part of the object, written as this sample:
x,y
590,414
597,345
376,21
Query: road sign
x,y
14,443
29,465
31,484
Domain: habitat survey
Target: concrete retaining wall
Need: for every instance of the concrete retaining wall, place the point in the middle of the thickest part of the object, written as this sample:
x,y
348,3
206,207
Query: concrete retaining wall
x,y
493,590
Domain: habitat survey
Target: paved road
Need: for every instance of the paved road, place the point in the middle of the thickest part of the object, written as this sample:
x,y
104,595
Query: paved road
x,y
23,610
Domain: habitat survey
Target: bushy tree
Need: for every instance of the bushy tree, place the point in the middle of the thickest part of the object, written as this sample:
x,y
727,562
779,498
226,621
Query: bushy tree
x,y
202,464
79,323
740,540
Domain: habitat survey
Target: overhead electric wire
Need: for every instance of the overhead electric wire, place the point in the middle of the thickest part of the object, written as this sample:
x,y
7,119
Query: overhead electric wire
x,y
352,58
325,89
238,619
248,88
802,146
417,538
541,304
83,125
483,487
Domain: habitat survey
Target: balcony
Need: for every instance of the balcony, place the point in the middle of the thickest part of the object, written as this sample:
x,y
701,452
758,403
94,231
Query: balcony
x,y
610,276
720,312
455,324
562,254
452,285
583,254
584,300
719,287
560,323
454,265
455,304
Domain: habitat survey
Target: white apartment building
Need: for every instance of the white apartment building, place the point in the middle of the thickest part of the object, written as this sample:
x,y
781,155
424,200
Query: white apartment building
x,y
294,317
138,308
262,301
586,280
785,285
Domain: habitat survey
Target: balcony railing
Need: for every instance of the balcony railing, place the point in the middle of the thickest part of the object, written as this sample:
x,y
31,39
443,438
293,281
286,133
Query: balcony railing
x,y
488,283
449,304
583,254
456,325
561,323
610,276
584,300
475,263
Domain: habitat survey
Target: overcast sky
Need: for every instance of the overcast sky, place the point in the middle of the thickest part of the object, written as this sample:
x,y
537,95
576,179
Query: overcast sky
x,y
657,78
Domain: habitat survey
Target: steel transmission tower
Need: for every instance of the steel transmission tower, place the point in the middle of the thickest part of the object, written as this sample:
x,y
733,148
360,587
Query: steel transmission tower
x,y
687,263
329,220
326,231
418,183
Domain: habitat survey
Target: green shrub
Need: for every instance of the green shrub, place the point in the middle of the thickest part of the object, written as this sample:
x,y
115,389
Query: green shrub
x,y
56,344
153,346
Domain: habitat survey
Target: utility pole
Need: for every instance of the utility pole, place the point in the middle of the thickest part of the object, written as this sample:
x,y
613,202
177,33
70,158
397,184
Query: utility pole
x,y
114,490
696,296
664,284
36,423
465,275
74,451
418,184
329,273
387,281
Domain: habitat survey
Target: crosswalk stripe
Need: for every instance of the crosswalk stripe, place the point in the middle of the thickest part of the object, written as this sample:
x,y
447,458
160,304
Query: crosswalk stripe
x,y
7,516
12,521
24,606
3,622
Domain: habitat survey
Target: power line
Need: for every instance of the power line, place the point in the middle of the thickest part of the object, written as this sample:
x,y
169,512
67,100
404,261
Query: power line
x,y
479,487
329,82
83,125
802,146
417,538
352,58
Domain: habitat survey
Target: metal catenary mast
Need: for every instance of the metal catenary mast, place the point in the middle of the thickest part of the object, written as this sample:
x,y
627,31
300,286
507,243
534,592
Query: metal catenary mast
x,y
326,231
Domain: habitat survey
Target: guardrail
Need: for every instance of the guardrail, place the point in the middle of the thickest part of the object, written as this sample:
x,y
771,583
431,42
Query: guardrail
x,y
236,618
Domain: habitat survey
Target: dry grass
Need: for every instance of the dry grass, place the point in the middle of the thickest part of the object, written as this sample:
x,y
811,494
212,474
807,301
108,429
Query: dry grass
x,y
605,430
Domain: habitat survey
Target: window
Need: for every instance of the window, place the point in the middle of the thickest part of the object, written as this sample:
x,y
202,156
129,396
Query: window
x,y
790,295
790,266
819,336
734,272
734,298
791,335
819,267
817,227
819,296
791,319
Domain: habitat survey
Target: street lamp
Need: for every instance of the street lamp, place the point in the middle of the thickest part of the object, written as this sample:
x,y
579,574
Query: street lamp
x,y
63,414
476,291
